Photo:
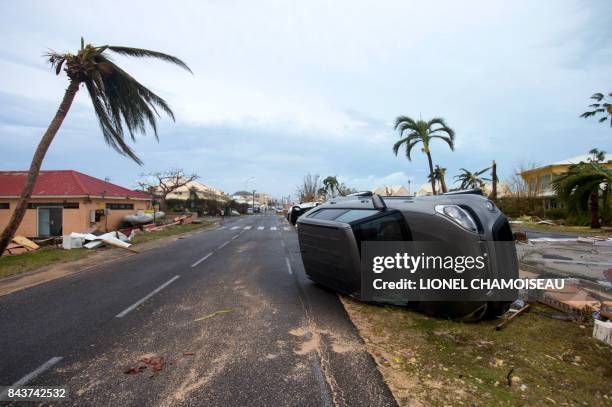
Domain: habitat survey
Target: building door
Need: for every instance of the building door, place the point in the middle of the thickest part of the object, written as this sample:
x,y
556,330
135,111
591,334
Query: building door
x,y
50,221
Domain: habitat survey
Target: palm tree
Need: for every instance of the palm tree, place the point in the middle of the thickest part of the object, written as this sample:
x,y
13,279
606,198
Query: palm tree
x,y
582,186
470,179
414,132
439,177
118,99
603,107
331,187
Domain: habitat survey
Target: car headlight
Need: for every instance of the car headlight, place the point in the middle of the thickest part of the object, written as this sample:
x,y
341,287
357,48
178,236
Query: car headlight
x,y
458,215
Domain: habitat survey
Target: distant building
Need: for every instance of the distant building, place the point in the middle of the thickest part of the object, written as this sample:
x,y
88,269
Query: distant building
x,y
203,191
67,201
502,189
246,197
392,190
542,177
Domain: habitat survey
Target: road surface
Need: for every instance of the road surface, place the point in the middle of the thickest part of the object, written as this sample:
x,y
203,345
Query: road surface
x,y
230,311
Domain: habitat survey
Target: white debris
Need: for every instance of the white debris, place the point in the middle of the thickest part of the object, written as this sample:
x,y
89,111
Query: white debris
x,y
115,238
603,331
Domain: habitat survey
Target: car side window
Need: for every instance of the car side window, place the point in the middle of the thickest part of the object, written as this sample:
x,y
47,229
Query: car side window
x,y
328,214
388,227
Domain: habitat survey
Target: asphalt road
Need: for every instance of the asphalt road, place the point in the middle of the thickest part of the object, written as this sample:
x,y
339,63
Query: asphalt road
x,y
279,340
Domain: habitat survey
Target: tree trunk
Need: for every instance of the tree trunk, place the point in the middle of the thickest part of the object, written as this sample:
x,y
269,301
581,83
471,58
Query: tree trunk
x,y
39,155
494,181
433,181
594,205
443,184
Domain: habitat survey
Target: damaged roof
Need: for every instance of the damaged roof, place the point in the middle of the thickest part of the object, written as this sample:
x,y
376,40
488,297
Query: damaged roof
x,y
64,183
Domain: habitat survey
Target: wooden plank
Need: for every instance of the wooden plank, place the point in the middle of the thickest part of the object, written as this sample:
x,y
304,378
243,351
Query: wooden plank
x,y
25,242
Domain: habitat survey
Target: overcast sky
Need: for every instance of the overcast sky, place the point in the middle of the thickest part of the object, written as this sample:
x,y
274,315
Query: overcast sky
x,y
284,88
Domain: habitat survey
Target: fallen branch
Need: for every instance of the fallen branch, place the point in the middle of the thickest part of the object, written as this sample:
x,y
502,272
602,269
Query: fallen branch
x,y
511,317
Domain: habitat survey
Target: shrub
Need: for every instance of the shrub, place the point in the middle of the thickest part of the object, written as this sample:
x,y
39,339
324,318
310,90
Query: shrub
x,y
555,213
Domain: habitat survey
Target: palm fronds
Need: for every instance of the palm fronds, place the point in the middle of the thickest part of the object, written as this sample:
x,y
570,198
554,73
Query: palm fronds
x,y
119,100
602,107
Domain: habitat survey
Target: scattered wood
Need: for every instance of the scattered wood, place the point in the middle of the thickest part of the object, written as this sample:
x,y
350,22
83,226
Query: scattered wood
x,y
25,242
501,326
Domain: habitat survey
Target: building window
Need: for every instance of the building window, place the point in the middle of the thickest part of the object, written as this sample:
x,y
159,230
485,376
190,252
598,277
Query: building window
x,y
5,205
117,206
65,205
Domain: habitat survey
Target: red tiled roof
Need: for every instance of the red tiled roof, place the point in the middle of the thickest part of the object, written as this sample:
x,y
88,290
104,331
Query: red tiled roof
x,y
64,183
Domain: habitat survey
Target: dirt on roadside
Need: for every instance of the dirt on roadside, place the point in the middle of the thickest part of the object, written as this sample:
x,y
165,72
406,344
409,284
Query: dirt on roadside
x,y
536,360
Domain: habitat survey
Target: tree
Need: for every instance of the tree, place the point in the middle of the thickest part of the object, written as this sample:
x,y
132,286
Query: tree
x,y
581,188
414,132
309,189
472,179
332,188
439,177
118,99
602,107
164,183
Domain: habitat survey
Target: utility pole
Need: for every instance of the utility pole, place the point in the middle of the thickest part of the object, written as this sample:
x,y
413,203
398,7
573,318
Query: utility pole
x,y
408,187
253,202
494,180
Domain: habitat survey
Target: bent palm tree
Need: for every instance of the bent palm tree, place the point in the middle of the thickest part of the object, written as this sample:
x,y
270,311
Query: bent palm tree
x,y
603,107
582,186
118,99
414,132
470,179
331,187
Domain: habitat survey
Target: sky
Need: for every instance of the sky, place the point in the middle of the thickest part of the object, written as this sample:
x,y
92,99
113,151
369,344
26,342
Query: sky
x,y
285,88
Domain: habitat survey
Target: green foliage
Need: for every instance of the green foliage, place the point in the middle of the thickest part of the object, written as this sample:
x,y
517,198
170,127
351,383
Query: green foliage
x,y
515,206
555,213
582,188
603,107
118,99
469,179
413,132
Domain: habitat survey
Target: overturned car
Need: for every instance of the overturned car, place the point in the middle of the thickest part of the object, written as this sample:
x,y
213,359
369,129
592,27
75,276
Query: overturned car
x,y
333,235
298,210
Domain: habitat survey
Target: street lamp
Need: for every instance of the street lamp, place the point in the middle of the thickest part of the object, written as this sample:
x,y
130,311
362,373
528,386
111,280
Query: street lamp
x,y
253,202
246,183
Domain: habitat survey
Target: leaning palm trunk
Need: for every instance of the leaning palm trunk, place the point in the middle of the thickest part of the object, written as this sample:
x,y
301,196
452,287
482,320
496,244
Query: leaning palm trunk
x,y
431,173
39,155
443,184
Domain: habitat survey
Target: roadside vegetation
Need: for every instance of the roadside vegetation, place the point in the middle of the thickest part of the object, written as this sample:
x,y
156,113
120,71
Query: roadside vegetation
x,y
535,360
46,256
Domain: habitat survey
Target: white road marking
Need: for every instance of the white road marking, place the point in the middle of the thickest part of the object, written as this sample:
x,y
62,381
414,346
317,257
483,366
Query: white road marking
x,y
260,228
233,237
285,228
221,228
247,227
223,245
288,265
33,374
273,228
201,260
143,299
283,243
234,227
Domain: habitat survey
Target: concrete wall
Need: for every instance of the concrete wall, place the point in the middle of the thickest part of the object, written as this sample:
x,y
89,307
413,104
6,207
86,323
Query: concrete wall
x,y
73,220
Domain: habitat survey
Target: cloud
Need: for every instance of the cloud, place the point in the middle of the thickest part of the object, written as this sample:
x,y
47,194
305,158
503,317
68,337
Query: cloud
x,y
285,88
